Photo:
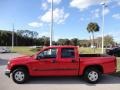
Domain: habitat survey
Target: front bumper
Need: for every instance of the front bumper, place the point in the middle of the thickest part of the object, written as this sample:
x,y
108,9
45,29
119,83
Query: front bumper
x,y
7,72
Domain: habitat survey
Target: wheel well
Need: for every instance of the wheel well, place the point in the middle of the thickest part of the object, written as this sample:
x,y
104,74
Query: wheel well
x,y
20,66
98,67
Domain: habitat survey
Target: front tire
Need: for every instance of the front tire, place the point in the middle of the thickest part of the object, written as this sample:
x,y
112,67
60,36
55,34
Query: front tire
x,y
92,75
20,75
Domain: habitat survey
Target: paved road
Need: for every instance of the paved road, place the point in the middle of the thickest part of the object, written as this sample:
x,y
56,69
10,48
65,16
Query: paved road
x,y
59,83
4,57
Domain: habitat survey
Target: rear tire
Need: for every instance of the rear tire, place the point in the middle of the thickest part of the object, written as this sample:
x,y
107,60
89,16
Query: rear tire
x,y
20,75
92,75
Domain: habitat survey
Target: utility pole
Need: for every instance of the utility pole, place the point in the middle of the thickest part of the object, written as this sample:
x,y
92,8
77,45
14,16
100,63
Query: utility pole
x,y
13,37
51,25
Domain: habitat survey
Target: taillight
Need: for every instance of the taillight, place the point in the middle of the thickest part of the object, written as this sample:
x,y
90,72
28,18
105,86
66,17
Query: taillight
x,y
115,61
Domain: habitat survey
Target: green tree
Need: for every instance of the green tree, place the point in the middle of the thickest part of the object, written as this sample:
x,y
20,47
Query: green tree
x,y
46,40
61,42
108,40
67,42
29,37
84,43
74,41
91,28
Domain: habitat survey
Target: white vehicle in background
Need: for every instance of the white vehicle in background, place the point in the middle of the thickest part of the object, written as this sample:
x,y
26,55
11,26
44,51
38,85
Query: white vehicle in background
x,y
5,50
93,46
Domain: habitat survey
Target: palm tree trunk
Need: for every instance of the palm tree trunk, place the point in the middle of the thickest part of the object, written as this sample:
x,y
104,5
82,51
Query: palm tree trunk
x,y
93,41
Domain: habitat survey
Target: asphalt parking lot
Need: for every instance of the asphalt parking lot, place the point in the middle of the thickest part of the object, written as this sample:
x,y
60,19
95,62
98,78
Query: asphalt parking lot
x,y
57,83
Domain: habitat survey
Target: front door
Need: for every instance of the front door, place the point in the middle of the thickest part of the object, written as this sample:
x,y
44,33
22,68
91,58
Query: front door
x,y
46,63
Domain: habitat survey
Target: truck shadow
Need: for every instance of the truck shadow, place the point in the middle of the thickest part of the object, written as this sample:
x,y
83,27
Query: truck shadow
x,y
107,79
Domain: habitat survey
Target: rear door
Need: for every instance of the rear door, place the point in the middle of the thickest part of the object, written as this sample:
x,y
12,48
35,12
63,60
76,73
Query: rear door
x,y
68,62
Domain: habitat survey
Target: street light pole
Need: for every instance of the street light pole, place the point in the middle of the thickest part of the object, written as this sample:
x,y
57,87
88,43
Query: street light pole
x,y
104,5
103,22
13,37
51,25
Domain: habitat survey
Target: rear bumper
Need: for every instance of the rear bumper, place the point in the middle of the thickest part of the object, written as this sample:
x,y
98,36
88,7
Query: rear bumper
x,y
7,72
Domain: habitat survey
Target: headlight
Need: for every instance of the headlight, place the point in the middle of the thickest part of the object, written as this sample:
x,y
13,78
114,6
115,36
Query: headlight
x,y
8,63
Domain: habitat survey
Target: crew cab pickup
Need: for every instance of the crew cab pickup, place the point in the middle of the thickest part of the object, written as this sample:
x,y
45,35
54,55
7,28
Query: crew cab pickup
x,y
61,61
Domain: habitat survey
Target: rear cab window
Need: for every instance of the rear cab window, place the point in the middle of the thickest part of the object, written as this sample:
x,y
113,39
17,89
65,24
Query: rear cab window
x,y
67,53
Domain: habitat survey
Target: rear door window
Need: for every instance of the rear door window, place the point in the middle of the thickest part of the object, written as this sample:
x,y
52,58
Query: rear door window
x,y
67,53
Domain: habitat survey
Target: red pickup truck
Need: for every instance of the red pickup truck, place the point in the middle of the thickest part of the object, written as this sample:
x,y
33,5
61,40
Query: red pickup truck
x,y
61,61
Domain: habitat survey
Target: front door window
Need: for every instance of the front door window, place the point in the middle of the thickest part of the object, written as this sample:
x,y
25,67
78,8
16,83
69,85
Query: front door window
x,y
49,53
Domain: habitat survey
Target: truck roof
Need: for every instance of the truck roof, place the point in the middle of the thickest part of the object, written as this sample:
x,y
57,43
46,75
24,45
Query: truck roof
x,y
65,46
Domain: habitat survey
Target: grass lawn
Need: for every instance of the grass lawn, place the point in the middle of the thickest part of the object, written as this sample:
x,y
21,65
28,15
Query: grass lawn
x,y
118,64
89,50
30,51
26,50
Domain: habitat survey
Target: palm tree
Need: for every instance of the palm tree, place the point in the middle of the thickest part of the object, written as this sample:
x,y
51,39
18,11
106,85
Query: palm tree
x,y
91,28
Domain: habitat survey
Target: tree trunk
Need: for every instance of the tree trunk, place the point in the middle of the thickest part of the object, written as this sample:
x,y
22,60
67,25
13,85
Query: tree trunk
x,y
93,41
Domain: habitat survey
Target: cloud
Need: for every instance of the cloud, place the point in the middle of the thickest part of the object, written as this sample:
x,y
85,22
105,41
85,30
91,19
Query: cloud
x,y
116,16
82,19
106,11
35,24
47,34
45,5
96,13
84,4
115,4
119,3
59,16
54,1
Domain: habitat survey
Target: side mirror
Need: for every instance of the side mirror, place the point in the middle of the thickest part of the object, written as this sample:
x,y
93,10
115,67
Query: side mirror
x,y
38,57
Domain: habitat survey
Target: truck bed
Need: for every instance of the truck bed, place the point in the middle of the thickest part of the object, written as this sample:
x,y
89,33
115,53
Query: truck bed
x,y
93,55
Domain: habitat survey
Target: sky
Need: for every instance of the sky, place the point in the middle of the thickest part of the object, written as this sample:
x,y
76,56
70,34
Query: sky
x,y
71,17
